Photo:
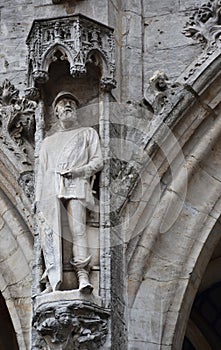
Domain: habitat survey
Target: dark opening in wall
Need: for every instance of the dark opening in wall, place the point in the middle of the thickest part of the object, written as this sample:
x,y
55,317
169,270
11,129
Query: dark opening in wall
x,y
8,339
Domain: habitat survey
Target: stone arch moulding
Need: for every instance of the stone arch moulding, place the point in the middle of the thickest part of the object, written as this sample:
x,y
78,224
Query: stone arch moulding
x,y
77,37
192,116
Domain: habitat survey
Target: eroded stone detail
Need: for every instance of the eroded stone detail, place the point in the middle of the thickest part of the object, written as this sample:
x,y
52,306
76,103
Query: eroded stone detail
x,y
77,39
33,94
17,124
158,96
204,24
71,325
26,181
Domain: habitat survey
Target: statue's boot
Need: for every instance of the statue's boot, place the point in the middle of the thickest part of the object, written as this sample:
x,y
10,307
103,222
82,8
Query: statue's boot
x,y
48,289
44,279
82,274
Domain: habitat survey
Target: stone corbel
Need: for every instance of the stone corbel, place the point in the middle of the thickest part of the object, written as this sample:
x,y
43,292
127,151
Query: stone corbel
x,y
66,325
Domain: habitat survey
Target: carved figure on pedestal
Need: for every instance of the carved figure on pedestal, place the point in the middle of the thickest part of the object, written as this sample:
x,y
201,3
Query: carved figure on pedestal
x,y
67,160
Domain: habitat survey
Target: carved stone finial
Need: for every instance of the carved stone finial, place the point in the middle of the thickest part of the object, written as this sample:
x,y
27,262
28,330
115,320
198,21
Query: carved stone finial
x,y
71,325
204,24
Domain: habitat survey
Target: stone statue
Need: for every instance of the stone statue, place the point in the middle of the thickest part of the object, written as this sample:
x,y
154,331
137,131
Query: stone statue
x,y
67,160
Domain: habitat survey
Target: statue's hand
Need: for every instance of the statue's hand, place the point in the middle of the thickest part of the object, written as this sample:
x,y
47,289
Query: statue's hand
x,y
65,173
71,173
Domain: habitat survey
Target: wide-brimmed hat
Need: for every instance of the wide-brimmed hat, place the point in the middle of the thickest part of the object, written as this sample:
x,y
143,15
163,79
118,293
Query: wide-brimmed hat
x,y
65,94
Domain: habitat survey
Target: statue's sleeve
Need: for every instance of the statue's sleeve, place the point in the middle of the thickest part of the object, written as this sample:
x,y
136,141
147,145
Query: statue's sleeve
x,y
95,159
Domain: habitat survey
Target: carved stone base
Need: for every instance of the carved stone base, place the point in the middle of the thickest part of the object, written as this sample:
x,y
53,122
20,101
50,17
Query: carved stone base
x,y
68,324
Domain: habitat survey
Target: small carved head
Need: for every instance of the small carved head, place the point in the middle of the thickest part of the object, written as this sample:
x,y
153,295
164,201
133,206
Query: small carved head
x,y
63,315
159,81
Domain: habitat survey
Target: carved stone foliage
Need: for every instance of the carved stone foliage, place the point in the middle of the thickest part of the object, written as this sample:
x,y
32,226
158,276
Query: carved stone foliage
x,y
70,325
204,24
77,39
17,125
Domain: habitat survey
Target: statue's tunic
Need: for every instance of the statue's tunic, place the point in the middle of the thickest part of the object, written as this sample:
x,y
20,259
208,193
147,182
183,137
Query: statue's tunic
x,y
64,150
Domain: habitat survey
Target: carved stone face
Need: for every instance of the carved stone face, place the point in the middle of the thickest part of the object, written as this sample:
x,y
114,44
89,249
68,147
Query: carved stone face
x,y
66,110
65,318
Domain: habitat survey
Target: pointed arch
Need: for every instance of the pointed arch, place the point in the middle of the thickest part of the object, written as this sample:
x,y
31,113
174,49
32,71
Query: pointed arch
x,y
166,265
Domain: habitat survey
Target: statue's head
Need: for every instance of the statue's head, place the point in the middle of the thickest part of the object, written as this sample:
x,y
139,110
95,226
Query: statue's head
x,y
65,107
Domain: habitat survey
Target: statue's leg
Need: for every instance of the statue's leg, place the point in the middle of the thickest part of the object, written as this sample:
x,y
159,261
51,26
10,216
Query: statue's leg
x,y
77,223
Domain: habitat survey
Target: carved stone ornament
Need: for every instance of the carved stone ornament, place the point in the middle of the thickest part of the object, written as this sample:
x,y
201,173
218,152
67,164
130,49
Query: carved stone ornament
x,y
70,325
26,181
78,40
204,24
158,95
17,126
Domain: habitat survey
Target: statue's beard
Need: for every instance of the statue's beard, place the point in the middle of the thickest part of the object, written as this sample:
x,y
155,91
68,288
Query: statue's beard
x,y
68,115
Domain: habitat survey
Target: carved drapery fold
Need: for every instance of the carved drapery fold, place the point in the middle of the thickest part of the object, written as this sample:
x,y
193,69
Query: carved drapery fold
x,y
76,39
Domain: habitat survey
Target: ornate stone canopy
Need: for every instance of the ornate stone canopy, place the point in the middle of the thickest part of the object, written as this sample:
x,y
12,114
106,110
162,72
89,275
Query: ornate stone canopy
x,y
77,39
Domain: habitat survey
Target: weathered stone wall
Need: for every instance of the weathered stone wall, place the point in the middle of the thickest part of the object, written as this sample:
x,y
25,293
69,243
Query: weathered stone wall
x,y
148,37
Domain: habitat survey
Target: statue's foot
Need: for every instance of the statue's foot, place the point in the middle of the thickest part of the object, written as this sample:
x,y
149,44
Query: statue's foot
x,y
48,289
85,287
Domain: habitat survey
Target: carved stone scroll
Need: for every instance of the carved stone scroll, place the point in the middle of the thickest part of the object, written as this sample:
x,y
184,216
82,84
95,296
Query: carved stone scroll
x,y
78,40
70,325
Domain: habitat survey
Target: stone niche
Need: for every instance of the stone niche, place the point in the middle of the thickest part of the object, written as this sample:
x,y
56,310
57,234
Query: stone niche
x,y
74,54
